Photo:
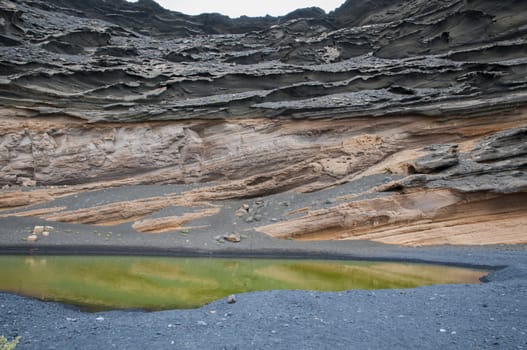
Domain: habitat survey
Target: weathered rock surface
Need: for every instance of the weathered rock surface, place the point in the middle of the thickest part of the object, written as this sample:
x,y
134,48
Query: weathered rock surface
x,y
120,61
424,103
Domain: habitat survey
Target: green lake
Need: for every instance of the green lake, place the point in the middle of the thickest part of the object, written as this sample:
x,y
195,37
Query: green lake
x,y
158,283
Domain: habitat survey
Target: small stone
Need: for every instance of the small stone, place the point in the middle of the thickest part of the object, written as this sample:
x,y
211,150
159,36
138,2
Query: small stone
x,y
240,212
26,182
45,233
32,238
38,230
49,228
442,330
246,206
233,237
5,187
231,299
202,323
100,318
249,219
274,219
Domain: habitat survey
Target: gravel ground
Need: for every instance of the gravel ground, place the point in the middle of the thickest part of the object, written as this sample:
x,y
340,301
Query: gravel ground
x,y
489,315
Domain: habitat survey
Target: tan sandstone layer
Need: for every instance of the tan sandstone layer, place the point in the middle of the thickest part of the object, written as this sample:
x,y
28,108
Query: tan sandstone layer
x,y
237,159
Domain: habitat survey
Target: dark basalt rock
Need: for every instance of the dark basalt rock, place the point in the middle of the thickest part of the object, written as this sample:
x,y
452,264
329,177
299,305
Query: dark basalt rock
x,y
61,47
86,38
121,61
117,51
504,145
440,158
308,12
496,164
7,41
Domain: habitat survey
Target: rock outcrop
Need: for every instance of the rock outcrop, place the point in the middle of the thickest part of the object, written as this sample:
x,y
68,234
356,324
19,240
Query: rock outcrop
x,y
414,112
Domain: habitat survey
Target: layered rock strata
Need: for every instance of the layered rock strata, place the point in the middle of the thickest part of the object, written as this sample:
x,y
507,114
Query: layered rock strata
x,y
421,103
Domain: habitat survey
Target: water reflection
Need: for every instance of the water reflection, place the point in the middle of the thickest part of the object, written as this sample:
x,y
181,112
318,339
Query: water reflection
x,y
153,283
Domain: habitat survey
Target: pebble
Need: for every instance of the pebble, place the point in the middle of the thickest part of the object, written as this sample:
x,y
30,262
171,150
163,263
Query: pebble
x,y
231,299
202,323
32,238
38,230
234,238
27,182
100,318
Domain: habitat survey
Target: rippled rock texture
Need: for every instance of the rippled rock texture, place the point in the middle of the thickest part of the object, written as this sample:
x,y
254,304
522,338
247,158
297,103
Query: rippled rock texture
x,y
403,122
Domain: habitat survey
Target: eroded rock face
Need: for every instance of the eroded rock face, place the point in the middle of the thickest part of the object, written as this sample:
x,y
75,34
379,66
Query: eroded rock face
x,y
90,60
422,103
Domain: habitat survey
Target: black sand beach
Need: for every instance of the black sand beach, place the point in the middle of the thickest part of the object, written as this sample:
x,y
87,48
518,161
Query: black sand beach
x,y
491,315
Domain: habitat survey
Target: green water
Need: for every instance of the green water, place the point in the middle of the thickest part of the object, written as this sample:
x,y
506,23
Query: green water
x,y
154,283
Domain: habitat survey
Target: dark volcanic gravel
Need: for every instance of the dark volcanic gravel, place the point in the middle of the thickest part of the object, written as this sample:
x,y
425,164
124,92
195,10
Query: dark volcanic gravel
x,y
492,315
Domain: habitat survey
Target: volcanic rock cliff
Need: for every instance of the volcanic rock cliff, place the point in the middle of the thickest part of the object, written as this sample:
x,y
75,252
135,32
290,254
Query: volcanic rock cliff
x,y
402,122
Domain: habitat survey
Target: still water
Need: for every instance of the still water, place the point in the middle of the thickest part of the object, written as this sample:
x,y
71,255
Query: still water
x,y
157,283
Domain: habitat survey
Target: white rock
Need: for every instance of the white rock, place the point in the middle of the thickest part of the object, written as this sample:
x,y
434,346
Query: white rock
x,y
233,237
240,212
45,233
32,238
49,228
37,230
26,182
100,318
